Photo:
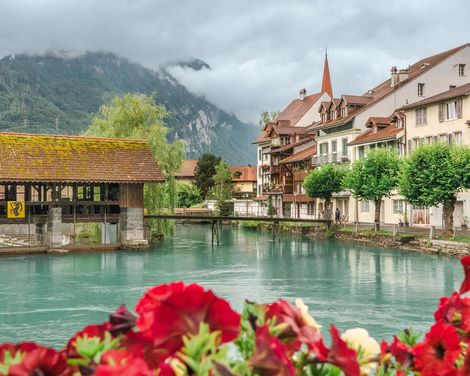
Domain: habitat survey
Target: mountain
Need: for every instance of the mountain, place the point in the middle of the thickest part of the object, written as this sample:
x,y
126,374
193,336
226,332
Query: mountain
x,y
58,93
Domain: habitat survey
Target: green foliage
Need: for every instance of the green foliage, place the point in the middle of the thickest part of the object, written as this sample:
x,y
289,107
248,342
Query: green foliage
x,y
137,116
409,337
324,181
271,208
222,190
92,348
267,117
205,170
188,195
375,176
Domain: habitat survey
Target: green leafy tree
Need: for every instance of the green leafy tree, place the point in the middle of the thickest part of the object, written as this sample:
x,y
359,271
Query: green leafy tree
x,y
267,117
137,116
222,190
323,181
435,174
205,170
188,195
374,177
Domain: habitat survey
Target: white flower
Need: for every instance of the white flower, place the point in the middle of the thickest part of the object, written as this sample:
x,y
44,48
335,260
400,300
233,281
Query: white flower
x,y
304,312
366,347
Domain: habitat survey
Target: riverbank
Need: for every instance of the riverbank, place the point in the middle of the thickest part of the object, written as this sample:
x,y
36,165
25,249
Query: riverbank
x,y
415,241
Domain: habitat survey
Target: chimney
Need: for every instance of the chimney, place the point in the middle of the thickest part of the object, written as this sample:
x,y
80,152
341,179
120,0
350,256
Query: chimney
x,y
394,78
403,74
302,94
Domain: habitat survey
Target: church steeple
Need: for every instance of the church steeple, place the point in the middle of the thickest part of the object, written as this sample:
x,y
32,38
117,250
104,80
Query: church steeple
x,y
326,82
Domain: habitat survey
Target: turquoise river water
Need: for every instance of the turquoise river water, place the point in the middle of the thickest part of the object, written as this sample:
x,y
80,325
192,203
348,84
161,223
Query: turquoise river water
x,y
48,298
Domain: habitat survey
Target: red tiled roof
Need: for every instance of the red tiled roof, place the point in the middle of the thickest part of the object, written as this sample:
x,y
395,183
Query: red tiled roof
x,y
301,155
291,146
248,173
378,121
452,93
68,159
187,169
356,99
388,133
296,109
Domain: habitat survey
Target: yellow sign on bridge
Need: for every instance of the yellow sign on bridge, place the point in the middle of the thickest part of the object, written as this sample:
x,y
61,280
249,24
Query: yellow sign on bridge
x,y
16,209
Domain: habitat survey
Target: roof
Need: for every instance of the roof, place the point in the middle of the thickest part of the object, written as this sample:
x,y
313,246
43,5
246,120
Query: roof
x,y
384,89
326,80
291,146
69,159
388,133
248,173
297,109
301,155
283,131
356,99
449,94
378,121
187,169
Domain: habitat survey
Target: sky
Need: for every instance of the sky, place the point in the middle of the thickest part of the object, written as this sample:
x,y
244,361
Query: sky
x,y
261,52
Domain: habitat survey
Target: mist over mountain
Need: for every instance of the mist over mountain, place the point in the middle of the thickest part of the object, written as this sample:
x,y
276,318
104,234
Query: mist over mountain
x,y
59,92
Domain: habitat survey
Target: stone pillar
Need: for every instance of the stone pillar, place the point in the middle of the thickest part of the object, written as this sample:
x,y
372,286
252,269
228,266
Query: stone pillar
x,y
54,230
132,227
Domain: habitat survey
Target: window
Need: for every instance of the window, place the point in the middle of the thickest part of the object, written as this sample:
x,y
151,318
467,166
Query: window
x,y
429,140
420,90
415,142
461,69
344,145
344,111
334,150
452,87
458,138
364,206
451,110
450,139
361,151
443,137
398,206
259,154
421,116
323,118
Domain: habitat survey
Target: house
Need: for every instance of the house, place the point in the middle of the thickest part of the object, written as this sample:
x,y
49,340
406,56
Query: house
x,y
244,181
348,117
444,117
185,174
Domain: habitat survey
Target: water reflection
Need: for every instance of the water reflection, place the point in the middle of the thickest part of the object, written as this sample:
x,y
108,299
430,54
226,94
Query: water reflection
x,y
48,298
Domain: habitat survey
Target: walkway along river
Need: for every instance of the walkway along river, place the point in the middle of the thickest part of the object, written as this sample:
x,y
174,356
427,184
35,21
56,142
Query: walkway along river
x,y
47,298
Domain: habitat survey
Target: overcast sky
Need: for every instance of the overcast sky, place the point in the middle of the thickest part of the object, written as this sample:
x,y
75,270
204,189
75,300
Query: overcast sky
x,y
261,52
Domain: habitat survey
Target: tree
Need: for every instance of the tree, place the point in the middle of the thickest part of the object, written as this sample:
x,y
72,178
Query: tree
x,y
137,116
374,177
267,117
205,170
188,195
435,174
222,191
323,182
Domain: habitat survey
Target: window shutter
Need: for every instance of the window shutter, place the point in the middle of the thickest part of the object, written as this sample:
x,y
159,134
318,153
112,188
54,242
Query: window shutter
x,y
425,115
458,108
441,112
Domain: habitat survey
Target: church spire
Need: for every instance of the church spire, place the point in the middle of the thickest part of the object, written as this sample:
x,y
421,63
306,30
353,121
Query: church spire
x,y
326,82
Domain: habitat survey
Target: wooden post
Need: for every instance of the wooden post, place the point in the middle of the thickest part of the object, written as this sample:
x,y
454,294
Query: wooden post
x,y
275,223
215,232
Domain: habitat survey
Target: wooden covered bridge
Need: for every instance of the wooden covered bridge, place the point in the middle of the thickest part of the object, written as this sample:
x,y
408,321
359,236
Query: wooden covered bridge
x,y
48,180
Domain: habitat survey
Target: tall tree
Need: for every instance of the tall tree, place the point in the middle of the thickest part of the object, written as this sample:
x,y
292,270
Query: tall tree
x,y
205,170
435,174
137,116
323,182
374,177
266,117
222,190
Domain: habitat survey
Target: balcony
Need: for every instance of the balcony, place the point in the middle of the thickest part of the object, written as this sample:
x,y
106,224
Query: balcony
x,y
300,175
331,158
276,188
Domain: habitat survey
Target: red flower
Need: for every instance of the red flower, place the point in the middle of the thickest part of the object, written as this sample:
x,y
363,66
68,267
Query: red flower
x,y
439,350
121,363
402,352
141,347
167,312
10,354
465,261
90,331
339,354
41,361
454,311
270,358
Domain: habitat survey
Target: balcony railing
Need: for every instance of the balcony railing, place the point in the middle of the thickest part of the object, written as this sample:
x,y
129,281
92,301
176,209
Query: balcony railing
x,y
276,188
331,158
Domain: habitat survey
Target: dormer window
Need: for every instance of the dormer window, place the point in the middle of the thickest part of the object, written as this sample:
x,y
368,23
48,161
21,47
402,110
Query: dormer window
x,y
420,90
374,129
323,118
461,69
332,115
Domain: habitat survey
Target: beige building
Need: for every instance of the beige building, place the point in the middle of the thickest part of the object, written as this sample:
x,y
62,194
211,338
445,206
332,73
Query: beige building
x,y
444,117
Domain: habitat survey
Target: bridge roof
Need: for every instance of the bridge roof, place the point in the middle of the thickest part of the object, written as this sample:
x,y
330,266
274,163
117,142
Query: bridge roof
x,y
69,159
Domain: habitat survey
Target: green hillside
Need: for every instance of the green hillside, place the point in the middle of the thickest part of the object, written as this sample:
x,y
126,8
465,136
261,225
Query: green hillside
x,y
58,94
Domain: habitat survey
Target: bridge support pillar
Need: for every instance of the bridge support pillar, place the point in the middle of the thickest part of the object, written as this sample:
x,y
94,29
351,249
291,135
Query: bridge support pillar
x,y
132,227
54,227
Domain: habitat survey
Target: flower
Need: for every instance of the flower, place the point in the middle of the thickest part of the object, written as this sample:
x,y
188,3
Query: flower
x,y
465,261
270,358
121,321
122,363
86,342
365,346
402,353
12,354
41,361
455,311
439,350
167,312
309,320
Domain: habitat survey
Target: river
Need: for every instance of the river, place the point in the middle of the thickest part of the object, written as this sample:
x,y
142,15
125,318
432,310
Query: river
x,y
48,298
